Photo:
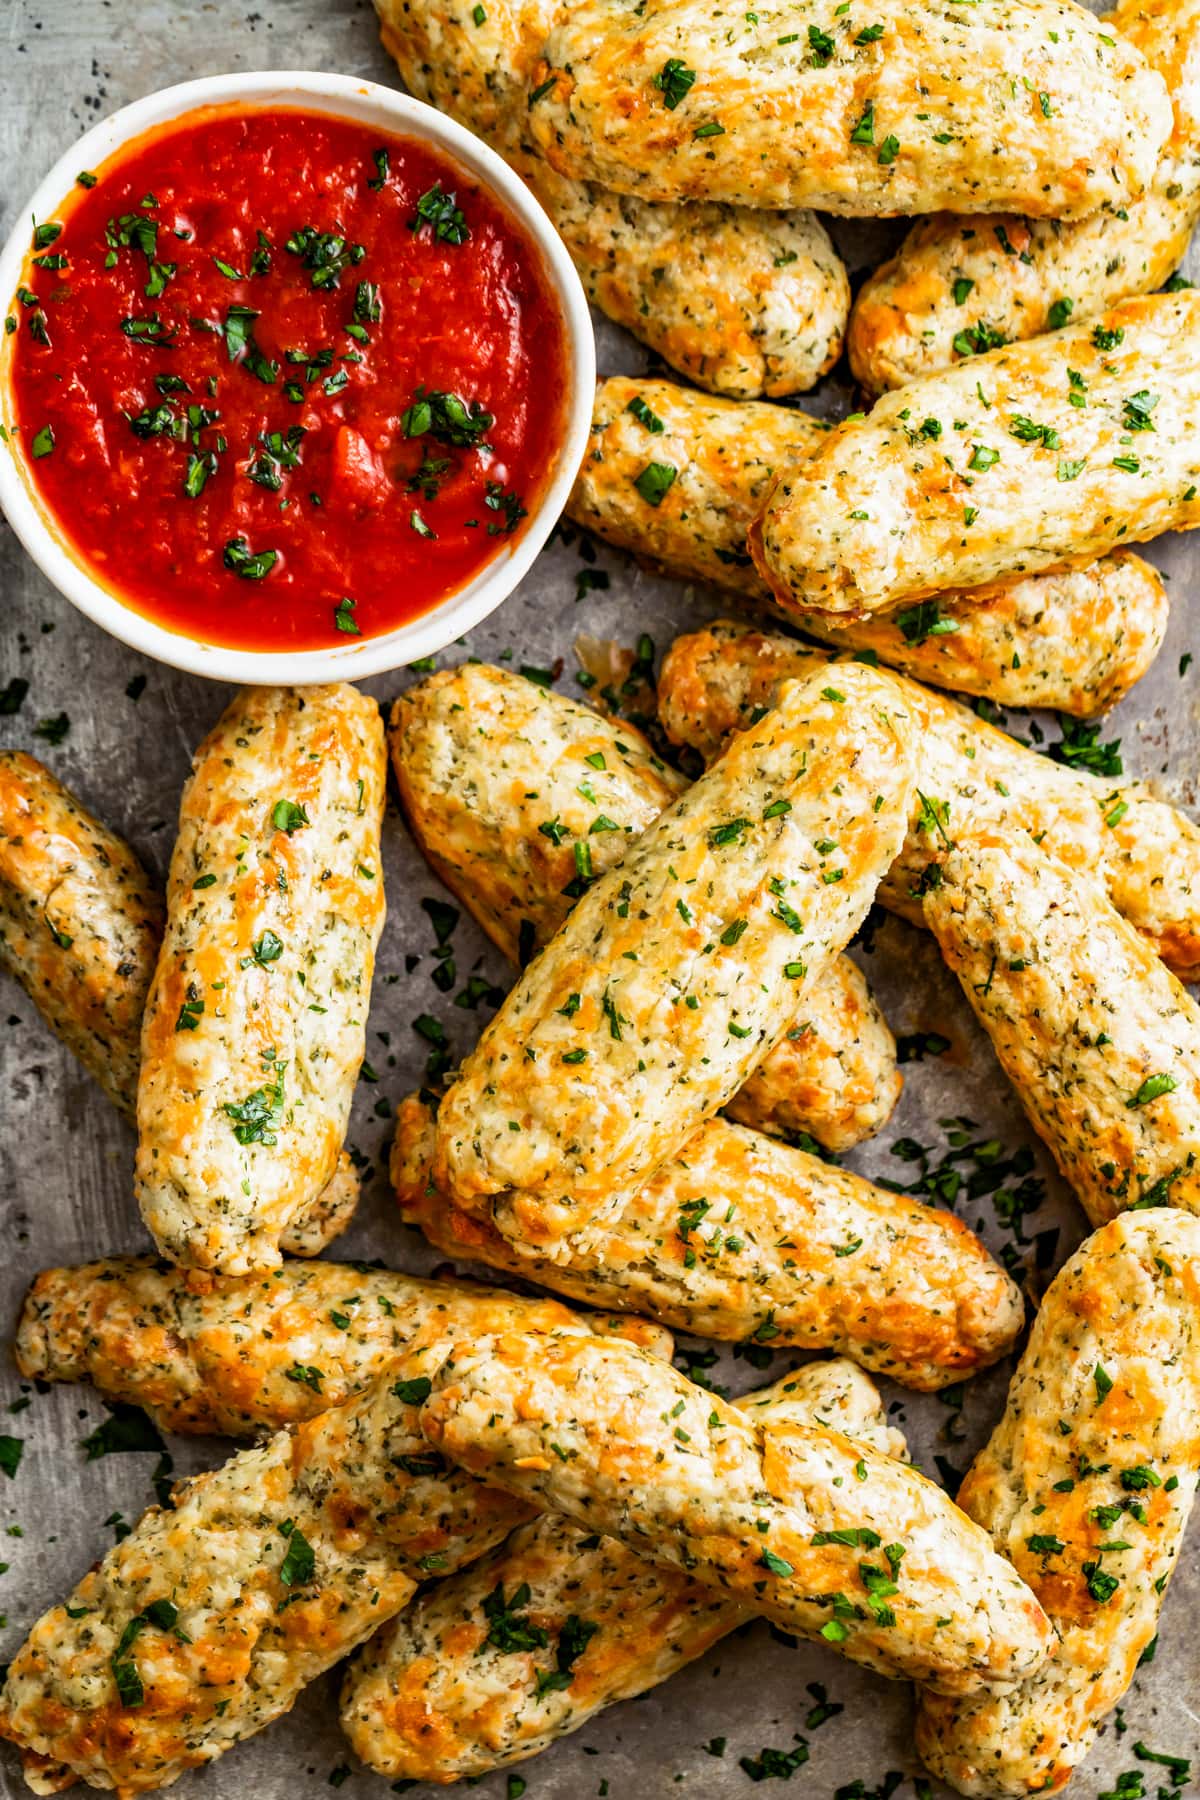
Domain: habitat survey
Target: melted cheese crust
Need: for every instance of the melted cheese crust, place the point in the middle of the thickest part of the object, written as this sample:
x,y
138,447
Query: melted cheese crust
x,y
952,285
1022,104
1146,852
626,1445
271,931
505,784
680,968
990,469
435,1698
741,1238
1103,1417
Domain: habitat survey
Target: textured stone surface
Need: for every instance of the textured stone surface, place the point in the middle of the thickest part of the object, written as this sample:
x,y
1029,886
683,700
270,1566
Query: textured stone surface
x,y
65,1158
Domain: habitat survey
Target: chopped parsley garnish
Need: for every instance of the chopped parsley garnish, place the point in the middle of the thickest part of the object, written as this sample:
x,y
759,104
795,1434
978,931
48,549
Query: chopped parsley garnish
x,y
287,816
1138,408
975,340
164,1616
446,417
781,1765
728,833
821,46
573,1640
503,500
443,215
300,1561
509,1630
278,453
924,620
674,81
257,1118
1152,1088
306,1375
192,1009
1100,1585
325,253
250,565
644,416
654,482
343,617
1080,748
778,1565
241,348
864,131
1027,431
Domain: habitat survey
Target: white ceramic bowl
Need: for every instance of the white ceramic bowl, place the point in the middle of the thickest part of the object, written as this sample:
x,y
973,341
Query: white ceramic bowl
x,y
370,104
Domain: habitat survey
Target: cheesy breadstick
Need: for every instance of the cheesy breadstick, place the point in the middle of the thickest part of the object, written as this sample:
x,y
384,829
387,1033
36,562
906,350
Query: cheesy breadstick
x,y
1100,1041
741,1238
80,928
1086,1485
956,286
492,1665
256,1018
1146,852
993,468
1075,639
234,1354
822,1536
520,798
1024,105
684,965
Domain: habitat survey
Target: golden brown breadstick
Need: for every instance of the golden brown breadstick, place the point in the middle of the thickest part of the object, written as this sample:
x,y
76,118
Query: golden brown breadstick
x,y
744,1238
1147,853
957,286
226,1354
520,798
80,923
1074,639
256,1018
1099,1039
742,301
494,1664
679,969
992,468
205,1623
80,927
824,1537
1086,1485
1028,107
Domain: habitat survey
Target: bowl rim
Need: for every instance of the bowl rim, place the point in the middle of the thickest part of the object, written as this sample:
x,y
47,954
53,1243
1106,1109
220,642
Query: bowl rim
x,y
363,101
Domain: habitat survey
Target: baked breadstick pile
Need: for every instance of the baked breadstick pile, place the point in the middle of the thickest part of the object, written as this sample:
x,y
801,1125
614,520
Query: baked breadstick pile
x,y
506,1509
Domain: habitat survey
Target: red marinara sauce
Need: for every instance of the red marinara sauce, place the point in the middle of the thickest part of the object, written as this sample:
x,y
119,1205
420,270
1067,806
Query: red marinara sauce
x,y
282,377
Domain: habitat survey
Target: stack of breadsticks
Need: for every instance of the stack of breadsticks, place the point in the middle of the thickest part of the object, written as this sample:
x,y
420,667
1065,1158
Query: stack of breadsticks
x,y
519,1512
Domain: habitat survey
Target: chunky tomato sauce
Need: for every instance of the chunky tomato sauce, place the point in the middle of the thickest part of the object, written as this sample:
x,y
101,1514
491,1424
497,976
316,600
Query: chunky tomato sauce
x,y
284,379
